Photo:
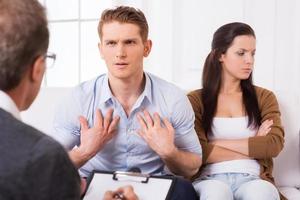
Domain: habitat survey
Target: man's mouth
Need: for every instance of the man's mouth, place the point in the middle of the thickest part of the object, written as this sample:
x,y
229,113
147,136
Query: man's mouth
x,y
121,63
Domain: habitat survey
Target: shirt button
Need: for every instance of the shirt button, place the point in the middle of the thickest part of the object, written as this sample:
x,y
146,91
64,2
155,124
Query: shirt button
x,y
132,131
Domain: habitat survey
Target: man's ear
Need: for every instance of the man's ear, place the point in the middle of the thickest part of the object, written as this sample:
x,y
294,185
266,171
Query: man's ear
x,y
37,69
100,49
147,47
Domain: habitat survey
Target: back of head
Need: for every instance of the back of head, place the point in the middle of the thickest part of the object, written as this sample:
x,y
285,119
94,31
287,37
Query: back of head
x,y
24,36
125,14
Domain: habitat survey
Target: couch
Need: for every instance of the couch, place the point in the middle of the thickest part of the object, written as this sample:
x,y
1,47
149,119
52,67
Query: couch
x,y
286,165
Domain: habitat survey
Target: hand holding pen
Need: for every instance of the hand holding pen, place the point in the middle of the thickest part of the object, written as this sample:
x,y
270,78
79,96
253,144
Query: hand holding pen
x,y
122,193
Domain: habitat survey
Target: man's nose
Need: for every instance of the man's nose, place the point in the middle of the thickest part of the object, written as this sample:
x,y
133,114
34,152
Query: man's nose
x,y
121,51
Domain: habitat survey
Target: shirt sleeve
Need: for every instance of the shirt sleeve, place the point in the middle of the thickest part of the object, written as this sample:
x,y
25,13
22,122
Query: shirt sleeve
x,y
66,126
182,119
50,174
268,146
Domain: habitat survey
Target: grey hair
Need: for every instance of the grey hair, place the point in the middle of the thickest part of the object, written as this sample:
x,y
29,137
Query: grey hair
x,y
24,36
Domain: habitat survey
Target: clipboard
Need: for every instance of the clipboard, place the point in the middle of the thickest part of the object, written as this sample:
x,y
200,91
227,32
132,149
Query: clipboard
x,y
146,187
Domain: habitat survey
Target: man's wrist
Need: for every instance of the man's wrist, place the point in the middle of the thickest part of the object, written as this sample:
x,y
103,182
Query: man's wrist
x,y
170,154
82,154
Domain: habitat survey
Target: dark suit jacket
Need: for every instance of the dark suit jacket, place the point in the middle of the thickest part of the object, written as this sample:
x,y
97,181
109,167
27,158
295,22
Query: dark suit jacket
x,y
32,165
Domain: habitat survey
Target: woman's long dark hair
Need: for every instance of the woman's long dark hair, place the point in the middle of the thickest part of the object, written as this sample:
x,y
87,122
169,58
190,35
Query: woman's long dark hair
x,y
212,76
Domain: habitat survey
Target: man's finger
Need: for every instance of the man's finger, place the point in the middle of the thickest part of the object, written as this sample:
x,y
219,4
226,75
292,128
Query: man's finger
x,y
148,119
114,124
142,134
127,190
83,185
83,123
156,118
142,122
109,195
107,118
168,124
98,118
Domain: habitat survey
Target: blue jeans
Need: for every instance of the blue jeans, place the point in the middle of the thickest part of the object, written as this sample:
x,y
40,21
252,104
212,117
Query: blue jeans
x,y
235,186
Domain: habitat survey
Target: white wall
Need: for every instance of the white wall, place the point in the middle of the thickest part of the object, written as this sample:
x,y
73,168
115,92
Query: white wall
x,y
181,31
277,27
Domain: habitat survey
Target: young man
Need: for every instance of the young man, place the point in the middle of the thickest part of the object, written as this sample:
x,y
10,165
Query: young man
x,y
32,165
128,118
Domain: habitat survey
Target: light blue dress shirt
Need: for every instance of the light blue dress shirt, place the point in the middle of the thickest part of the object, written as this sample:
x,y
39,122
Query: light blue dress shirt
x,y
126,149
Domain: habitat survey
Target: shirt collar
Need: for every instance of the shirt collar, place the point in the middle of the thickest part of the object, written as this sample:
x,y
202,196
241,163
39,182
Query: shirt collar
x,y
7,104
107,95
147,93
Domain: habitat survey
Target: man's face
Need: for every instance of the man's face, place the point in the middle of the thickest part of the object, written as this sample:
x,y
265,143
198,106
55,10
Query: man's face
x,y
123,49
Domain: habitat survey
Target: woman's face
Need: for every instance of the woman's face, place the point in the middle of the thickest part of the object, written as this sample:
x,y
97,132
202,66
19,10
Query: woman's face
x,y
237,62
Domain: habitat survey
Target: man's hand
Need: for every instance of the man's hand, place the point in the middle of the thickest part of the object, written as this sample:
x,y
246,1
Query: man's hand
x,y
122,193
93,139
159,138
264,128
83,185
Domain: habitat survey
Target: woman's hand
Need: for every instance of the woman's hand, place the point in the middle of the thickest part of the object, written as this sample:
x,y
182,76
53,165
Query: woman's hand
x,y
265,128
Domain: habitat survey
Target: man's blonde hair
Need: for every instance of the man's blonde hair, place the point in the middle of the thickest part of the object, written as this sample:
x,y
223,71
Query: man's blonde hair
x,y
125,14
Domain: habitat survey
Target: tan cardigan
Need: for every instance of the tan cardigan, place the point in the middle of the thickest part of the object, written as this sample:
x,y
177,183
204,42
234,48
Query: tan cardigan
x,y
262,148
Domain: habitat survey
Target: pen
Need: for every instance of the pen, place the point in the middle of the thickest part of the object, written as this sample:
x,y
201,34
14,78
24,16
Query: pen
x,y
119,196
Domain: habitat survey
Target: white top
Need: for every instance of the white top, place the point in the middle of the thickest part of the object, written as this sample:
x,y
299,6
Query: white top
x,y
232,128
7,104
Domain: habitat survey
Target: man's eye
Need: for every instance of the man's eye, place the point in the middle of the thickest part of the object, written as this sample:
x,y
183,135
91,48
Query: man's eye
x,y
130,42
110,43
240,53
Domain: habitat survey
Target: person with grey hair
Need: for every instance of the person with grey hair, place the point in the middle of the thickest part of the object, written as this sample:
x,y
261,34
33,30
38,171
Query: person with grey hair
x,y
33,165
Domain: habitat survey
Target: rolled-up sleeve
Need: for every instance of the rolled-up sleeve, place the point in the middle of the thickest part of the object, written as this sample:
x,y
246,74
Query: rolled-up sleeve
x,y
183,122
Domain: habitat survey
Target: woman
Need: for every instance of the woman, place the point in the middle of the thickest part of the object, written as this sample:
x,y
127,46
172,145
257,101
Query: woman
x,y
238,124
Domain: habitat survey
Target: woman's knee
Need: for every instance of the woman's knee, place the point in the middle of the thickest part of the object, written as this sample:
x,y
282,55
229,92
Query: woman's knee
x,y
213,190
257,189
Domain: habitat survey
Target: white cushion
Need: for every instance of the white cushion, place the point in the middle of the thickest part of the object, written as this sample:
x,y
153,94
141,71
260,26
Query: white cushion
x,y
287,164
290,193
41,112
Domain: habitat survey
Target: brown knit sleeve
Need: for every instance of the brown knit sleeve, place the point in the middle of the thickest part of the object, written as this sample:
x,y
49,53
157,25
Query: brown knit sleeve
x,y
196,101
261,147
